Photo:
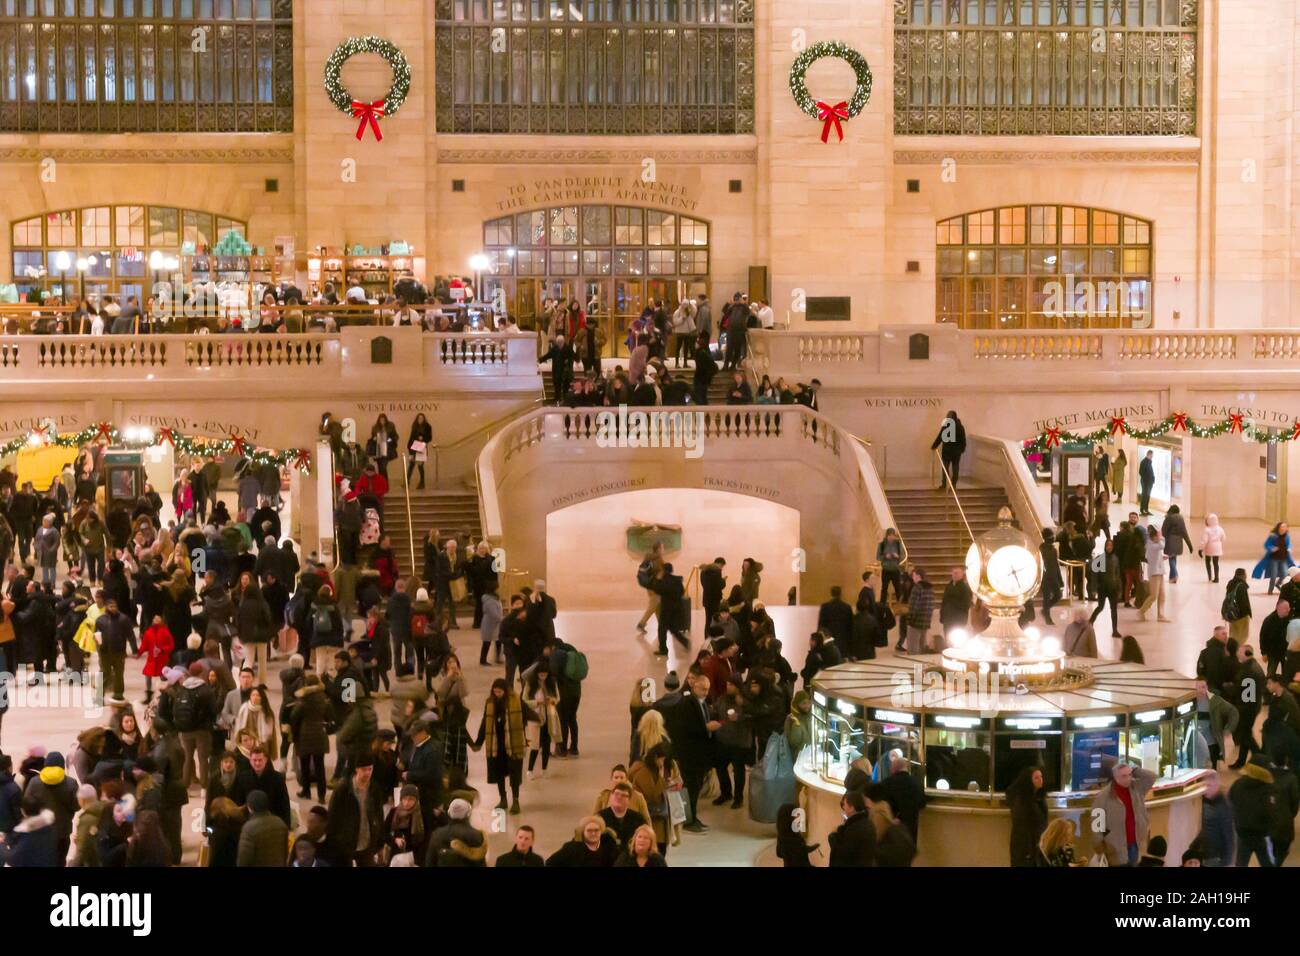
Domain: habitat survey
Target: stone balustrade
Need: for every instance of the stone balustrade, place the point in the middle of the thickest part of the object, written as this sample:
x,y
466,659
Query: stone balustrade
x,y
848,359
810,464
476,360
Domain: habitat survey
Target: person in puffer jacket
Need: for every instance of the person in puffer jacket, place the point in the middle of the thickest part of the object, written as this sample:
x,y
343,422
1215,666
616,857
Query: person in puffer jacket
x,y
56,792
1211,549
34,842
459,843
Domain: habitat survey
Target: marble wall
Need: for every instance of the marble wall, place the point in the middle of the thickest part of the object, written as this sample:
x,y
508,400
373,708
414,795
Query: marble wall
x,y
833,219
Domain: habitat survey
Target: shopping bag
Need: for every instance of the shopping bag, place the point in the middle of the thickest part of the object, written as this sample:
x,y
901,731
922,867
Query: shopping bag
x,y
709,786
676,807
459,590
1141,591
772,782
288,640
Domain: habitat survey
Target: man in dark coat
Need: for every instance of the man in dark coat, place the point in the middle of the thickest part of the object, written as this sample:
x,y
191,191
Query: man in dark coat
x,y
836,618
712,588
906,796
854,843
1216,664
954,611
672,614
736,318
267,779
356,815
561,356
1272,636
1146,482
693,742
951,444
1053,584
424,770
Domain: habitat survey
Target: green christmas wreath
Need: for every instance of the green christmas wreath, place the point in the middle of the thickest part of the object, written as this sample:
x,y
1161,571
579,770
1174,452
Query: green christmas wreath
x,y
830,114
368,112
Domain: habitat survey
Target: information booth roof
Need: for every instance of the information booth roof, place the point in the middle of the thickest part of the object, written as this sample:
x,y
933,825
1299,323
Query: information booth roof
x,y
894,684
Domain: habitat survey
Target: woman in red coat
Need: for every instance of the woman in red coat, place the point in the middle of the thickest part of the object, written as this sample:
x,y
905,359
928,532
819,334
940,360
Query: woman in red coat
x,y
156,646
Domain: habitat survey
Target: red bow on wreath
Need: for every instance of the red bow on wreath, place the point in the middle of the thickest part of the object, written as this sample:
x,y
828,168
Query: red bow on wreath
x,y
1235,423
1053,438
832,115
105,431
302,460
240,443
1180,421
167,435
368,113
1118,425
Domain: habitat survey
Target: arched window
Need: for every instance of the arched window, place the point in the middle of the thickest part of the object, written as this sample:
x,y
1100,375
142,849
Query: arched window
x,y
1040,67
620,256
116,243
1043,267
595,66
108,66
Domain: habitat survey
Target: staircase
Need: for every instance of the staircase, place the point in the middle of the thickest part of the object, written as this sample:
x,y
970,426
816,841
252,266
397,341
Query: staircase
x,y
718,388
451,512
932,528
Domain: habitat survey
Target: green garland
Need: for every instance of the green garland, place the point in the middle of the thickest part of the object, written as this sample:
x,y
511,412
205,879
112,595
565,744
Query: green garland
x,y
799,89
1044,443
184,445
349,48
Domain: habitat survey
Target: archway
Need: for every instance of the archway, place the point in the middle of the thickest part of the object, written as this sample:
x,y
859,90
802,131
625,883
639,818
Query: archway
x,y
592,549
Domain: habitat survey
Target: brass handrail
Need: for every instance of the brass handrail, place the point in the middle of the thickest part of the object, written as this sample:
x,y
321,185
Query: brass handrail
x,y
437,449
952,488
410,523
902,542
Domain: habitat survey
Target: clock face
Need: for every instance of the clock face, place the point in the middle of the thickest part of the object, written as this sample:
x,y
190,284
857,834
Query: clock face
x,y
973,566
1012,571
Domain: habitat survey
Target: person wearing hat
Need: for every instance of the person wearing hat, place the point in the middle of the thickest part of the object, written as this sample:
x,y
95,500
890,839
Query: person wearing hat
x,y
459,843
265,837
55,791
404,826
423,769
85,825
356,811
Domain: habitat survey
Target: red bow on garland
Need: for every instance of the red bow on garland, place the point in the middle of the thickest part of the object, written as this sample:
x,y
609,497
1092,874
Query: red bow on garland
x,y
42,433
1053,438
104,430
832,115
302,459
369,113
1295,430
1118,425
167,435
1235,423
1180,421
239,442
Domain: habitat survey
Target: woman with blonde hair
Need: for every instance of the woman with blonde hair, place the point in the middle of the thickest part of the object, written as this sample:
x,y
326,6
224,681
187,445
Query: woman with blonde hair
x,y
640,850
650,733
1056,845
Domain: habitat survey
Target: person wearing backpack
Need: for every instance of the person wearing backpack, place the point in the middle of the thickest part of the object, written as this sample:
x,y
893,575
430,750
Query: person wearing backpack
x,y
1236,608
421,627
569,665
1254,801
326,630
646,573
194,709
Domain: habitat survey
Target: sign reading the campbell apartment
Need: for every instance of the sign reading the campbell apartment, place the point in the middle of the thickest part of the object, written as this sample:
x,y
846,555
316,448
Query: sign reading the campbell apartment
x,y
575,189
